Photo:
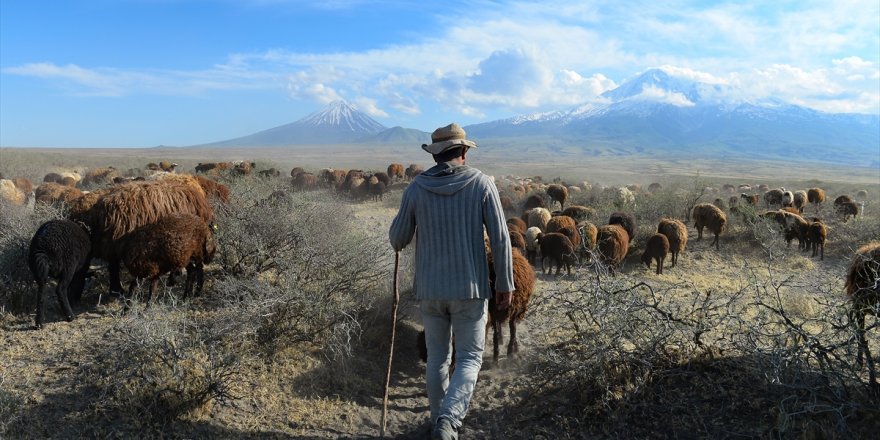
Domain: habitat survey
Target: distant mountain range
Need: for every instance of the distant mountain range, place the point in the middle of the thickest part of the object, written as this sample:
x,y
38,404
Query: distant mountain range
x,y
655,113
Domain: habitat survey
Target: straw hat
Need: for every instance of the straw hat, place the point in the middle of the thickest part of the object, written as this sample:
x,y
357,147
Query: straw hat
x,y
447,137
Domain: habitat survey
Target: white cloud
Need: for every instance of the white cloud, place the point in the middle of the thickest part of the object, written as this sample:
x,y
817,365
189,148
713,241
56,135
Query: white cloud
x,y
656,94
368,105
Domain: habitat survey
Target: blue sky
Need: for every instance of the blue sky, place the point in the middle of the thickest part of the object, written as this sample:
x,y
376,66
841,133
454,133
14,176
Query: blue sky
x,y
121,73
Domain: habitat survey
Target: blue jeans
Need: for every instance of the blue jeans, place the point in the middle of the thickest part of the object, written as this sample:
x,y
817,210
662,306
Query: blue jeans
x,y
451,397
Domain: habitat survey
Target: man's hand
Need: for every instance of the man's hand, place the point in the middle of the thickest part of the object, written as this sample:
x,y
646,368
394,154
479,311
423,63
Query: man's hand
x,y
502,300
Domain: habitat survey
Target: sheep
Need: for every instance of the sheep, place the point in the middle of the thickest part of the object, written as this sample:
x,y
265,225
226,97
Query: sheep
x,y
524,283
517,224
861,194
656,249
305,181
331,178
538,217
213,166
654,187
863,287
135,204
532,246
99,176
816,196
59,249
412,171
787,198
800,200
720,204
11,195
559,249
764,188
559,222
627,221
795,227
707,215
558,193
167,166
52,193
751,199
507,204
395,171
677,234
848,209
773,197
209,188
517,241
579,213
728,188
816,236
840,200
573,234
64,178
623,197
375,188
533,201
588,232
174,242
613,244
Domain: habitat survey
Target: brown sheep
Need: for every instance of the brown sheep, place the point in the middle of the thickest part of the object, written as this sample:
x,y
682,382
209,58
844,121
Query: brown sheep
x,y
209,188
132,205
559,222
847,210
99,176
795,227
579,213
507,204
524,283
331,178
533,201
656,250
654,187
559,249
412,171
175,242
167,166
816,196
270,173
863,287
558,193
53,177
751,199
517,241
707,215
800,200
840,200
677,234
612,242
720,204
24,184
517,224
816,236
573,234
395,171
588,232
627,221
53,193
305,181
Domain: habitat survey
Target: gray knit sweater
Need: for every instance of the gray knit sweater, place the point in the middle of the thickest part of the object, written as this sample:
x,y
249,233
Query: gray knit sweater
x,y
447,207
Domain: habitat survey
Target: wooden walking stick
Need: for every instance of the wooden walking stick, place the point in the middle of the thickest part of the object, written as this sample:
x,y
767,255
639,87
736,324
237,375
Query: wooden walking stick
x,y
391,346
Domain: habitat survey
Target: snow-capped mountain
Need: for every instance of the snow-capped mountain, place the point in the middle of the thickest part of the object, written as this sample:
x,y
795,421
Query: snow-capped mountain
x,y
339,122
659,113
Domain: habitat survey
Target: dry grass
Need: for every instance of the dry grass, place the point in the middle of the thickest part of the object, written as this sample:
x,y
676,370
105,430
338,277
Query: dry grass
x,y
752,340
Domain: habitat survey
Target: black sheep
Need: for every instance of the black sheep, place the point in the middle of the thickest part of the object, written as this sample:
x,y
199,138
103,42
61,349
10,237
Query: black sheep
x,y
625,220
59,249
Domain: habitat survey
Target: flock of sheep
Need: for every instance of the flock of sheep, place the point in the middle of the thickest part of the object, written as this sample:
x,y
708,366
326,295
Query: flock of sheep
x,y
157,221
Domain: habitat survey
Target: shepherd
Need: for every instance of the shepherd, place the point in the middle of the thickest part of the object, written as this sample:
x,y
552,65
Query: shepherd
x,y
449,208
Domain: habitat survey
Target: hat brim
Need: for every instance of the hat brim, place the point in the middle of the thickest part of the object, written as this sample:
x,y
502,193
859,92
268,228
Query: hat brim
x,y
439,147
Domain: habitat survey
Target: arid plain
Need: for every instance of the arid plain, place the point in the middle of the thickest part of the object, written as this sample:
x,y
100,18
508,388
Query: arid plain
x,y
289,339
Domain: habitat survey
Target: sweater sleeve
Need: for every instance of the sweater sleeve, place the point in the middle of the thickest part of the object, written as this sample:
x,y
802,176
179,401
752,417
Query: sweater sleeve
x,y
499,239
403,227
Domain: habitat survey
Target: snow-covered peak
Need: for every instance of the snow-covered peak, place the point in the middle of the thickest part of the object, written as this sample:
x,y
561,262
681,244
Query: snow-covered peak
x,y
341,114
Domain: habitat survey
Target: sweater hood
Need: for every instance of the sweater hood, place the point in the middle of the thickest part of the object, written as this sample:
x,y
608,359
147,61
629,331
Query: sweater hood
x,y
447,178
